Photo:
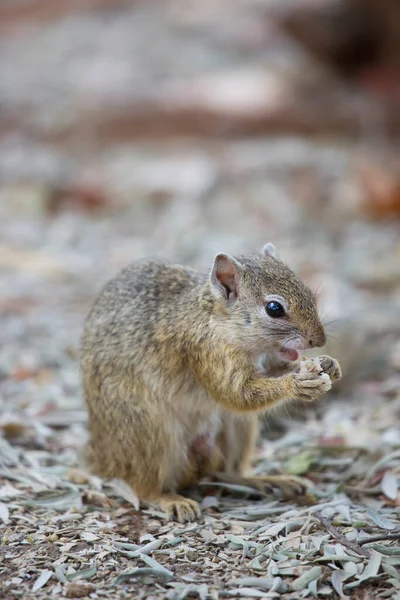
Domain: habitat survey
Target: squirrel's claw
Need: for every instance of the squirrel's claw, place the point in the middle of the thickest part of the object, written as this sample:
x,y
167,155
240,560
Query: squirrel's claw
x,y
180,508
331,367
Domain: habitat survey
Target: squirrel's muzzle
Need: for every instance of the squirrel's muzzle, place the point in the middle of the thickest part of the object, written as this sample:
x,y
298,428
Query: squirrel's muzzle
x,y
317,340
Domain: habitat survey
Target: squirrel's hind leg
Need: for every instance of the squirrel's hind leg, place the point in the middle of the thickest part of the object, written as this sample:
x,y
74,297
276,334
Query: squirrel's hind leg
x,y
238,441
138,443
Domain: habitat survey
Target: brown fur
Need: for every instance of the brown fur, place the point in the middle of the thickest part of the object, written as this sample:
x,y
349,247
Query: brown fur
x,y
170,373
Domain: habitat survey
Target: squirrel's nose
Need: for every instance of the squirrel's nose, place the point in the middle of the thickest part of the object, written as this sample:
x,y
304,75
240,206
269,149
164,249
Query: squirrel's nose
x,y
317,340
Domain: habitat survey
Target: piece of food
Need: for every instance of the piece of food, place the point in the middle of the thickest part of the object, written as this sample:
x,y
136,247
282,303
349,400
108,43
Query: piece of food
x,y
310,368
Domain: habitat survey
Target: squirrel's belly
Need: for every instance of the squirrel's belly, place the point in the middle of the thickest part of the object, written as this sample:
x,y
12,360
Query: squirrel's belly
x,y
200,420
203,445
204,440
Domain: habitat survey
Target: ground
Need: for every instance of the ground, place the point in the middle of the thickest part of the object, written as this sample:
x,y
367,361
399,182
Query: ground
x,y
69,219
69,532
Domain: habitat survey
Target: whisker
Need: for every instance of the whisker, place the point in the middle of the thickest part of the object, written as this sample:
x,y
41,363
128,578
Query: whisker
x,y
342,336
320,290
297,410
331,322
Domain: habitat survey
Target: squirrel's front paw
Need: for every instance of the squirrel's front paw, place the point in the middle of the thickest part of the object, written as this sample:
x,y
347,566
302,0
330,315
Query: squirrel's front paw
x,y
310,388
331,367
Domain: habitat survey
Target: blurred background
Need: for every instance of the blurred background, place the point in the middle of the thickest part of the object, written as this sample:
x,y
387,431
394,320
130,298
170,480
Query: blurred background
x,y
179,129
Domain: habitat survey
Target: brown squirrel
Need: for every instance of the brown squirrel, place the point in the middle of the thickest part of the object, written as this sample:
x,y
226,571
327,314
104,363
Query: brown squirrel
x,y
176,365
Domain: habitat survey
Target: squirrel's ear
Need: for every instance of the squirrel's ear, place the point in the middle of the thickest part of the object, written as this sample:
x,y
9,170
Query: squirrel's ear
x,y
224,277
269,250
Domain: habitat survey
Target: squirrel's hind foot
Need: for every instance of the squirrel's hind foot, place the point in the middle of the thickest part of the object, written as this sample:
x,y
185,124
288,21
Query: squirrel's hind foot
x,y
290,485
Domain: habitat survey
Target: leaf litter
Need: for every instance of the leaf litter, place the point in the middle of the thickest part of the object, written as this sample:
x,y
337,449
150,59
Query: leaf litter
x,y
65,532
248,546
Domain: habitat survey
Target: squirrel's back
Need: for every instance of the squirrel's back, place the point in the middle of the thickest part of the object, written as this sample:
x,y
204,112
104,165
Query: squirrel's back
x,y
126,318
144,284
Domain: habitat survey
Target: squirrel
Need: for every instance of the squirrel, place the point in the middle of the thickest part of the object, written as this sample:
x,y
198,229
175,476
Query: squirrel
x,y
177,365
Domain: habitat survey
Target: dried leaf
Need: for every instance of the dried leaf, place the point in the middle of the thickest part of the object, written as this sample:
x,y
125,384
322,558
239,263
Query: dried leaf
x,y
9,491
258,582
60,573
141,550
312,588
175,541
8,454
387,550
151,562
89,537
300,463
4,512
390,570
207,535
273,530
209,502
239,542
181,591
350,568
317,541
255,564
389,485
372,568
256,513
63,500
301,583
147,537
380,520
83,574
125,491
383,461
160,574
246,592
338,577
42,580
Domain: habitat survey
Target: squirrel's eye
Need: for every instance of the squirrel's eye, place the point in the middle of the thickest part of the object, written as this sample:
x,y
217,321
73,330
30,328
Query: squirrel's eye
x,y
275,309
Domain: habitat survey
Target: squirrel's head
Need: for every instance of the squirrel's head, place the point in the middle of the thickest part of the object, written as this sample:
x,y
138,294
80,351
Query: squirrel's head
x,y
264,304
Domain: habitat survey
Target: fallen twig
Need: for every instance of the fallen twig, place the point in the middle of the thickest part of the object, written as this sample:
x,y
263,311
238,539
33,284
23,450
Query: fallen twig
x,y
354,546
